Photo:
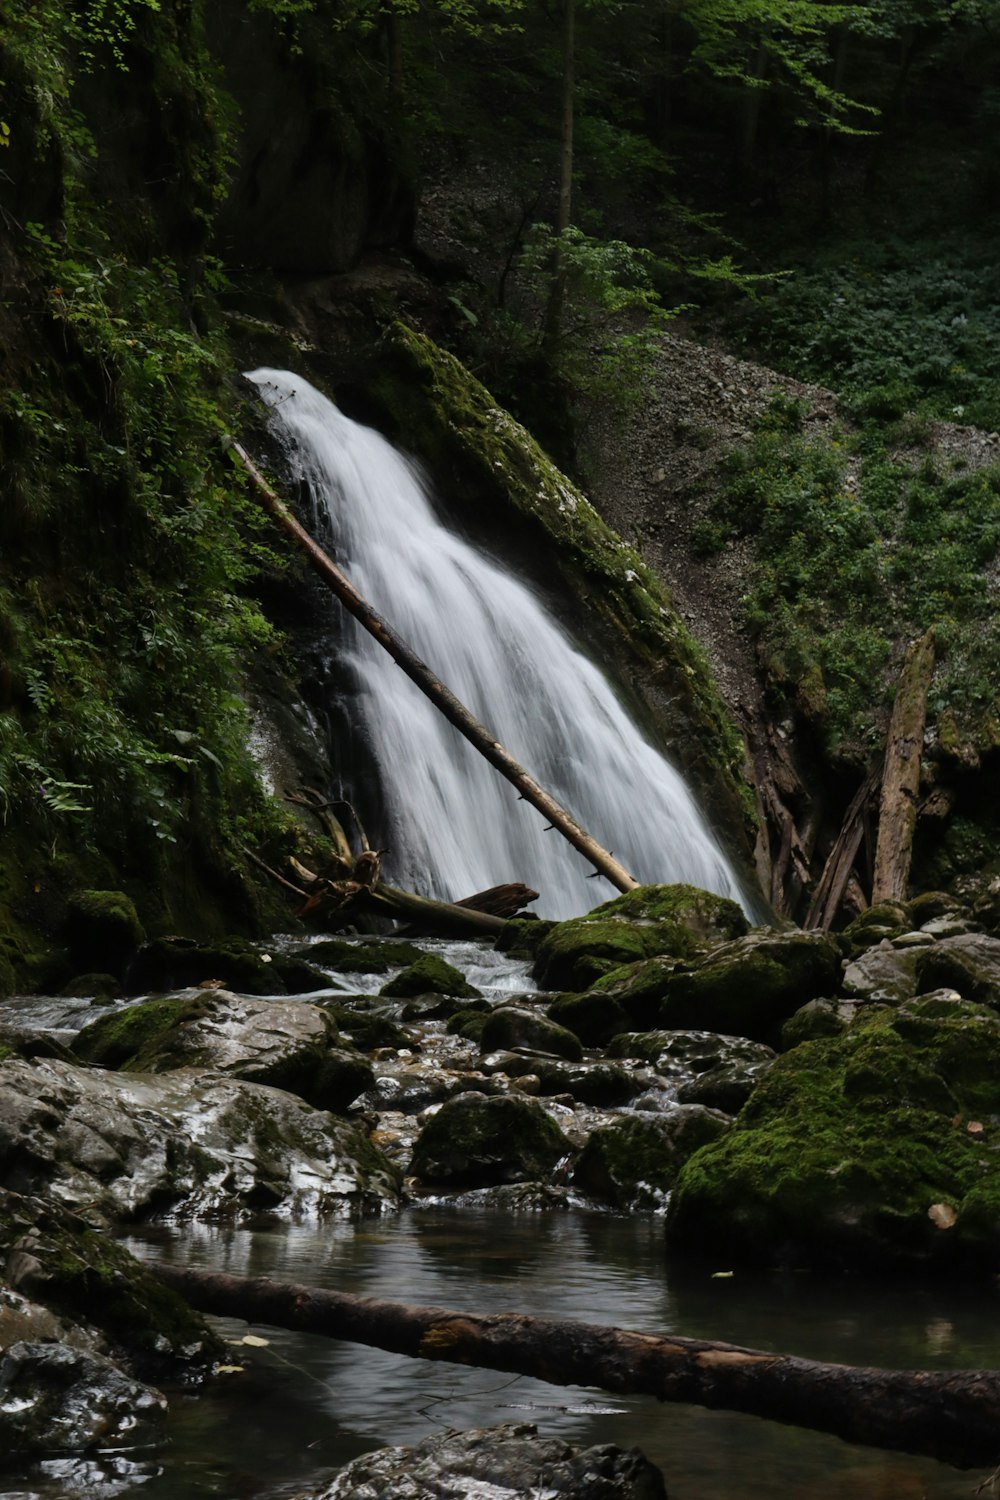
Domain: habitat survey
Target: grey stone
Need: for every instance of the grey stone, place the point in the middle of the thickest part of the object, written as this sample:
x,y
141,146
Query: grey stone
x,y
55,1398
883,974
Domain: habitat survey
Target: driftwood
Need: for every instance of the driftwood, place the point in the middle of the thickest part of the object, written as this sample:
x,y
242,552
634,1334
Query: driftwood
x,y
952,1415
829,893
500,900
442,697
898,807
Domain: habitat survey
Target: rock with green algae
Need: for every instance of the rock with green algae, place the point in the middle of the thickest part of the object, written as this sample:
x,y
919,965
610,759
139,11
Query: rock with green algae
x,y
430,975
640,988
633,1163
476,449
474,1141
968,963
882,974
175,963
102,930
593,1017
887,919
872,1148
287,1044
517,1026
750,986
369,957
677,920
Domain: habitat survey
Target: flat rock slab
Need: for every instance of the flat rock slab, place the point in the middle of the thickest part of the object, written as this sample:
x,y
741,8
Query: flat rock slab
x,y
189,1143
500,1463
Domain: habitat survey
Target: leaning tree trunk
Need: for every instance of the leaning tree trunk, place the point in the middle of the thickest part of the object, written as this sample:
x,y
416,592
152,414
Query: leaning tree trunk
x,y
952,1415
443,699
900,783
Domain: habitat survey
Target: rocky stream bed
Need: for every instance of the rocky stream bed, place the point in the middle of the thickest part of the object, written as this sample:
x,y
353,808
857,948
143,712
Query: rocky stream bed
x,y
772,1097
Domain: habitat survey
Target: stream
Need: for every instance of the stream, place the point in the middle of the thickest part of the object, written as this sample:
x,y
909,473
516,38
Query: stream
x,y
296,1408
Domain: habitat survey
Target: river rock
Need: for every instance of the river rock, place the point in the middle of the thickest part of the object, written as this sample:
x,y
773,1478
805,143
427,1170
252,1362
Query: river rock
x,y
882,974
360,958
728,1086
682,1057
678,920
968,962
816,1019
634,1163
515,1026
126,1145
498,1463
873,1148
593,1017
887,919
430,975
474,1141
640,988
287,1044
748,987
57,1399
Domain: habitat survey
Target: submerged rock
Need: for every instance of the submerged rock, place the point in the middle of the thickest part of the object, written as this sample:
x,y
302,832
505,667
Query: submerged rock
x,y
498,1463
874,1147
57,1399
475,1141
188,1143
678,920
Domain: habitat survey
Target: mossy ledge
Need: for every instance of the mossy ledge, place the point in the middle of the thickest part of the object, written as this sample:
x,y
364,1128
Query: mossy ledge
x,y
488,464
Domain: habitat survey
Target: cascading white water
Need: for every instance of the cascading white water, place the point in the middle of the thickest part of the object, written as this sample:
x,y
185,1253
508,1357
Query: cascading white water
x,y
454,825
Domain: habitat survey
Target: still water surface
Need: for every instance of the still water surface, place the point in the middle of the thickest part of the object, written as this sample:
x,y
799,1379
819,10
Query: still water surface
x,y
305,1405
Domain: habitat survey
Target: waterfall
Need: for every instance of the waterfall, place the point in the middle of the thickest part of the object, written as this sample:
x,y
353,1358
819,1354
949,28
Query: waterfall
x,y
452,824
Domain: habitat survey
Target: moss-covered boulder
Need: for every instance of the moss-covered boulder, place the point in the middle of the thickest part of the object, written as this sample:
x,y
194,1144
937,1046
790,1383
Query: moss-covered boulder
x,y
176,963
817,1019
523,936
364,1025
682,1056
515,1026
639,988
634,1163
475,1141
102,931
593,1017
370,957
866,1149
678,920
284,1043
750,986
968,963
430,975
887,919
93,987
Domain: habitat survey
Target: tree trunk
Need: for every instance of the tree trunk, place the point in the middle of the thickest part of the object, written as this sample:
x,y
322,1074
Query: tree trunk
x,y
952,1415
832,883
564,211
900,783
442,698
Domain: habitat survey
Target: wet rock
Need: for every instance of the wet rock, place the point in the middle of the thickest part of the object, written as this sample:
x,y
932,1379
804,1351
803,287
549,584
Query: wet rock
x,y
511,1026
593,1017
93,986
726,1087
57,1399
177,963
522,936
603,1084
298,976
500,1463
750,986
640,988
634,1163
932,904
468,1023
885,920
682,1056
678,920
287,1044
882,974
818,1018
198,1144
24,1321
430,975
873,1148
366,1024
968,963
360,958
475,1141
102,930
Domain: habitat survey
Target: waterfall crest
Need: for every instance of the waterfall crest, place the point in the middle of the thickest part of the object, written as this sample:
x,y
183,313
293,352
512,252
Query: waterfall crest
x,y
454,826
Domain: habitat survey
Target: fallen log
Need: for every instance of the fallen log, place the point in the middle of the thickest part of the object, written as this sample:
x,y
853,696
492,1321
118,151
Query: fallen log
x,y
898,807
953,1415
501,900
442,697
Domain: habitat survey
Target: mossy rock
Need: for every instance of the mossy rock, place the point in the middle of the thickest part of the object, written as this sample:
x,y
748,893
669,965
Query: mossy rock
x,y
886,920
605,1085
137,1039
750,986
523,936
475,1141
634,1163
930,905
102,930
297,976
815,1020
360,958
678,920
509,1026
640,988
175,963
368,1028
593,1017
430,975
468,1023
872,1148
968,963
93,987
882,974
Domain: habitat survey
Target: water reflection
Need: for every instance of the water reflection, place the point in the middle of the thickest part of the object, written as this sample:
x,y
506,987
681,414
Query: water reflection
x,y
306,1405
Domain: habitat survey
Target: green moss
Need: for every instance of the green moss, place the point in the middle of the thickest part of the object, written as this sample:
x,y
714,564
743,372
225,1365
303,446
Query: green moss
x,y
508,1027
430,975
750,986
136,1040
473,1141
634,1162
846,1144
593,1017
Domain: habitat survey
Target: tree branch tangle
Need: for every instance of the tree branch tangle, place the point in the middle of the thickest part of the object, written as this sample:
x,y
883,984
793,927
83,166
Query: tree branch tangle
x,y
952,1415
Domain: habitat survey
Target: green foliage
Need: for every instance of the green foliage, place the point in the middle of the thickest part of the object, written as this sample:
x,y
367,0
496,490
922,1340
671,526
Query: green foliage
x,y
853,553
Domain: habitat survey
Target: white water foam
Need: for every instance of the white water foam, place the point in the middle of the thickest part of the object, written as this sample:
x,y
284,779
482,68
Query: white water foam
x,y
453,824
